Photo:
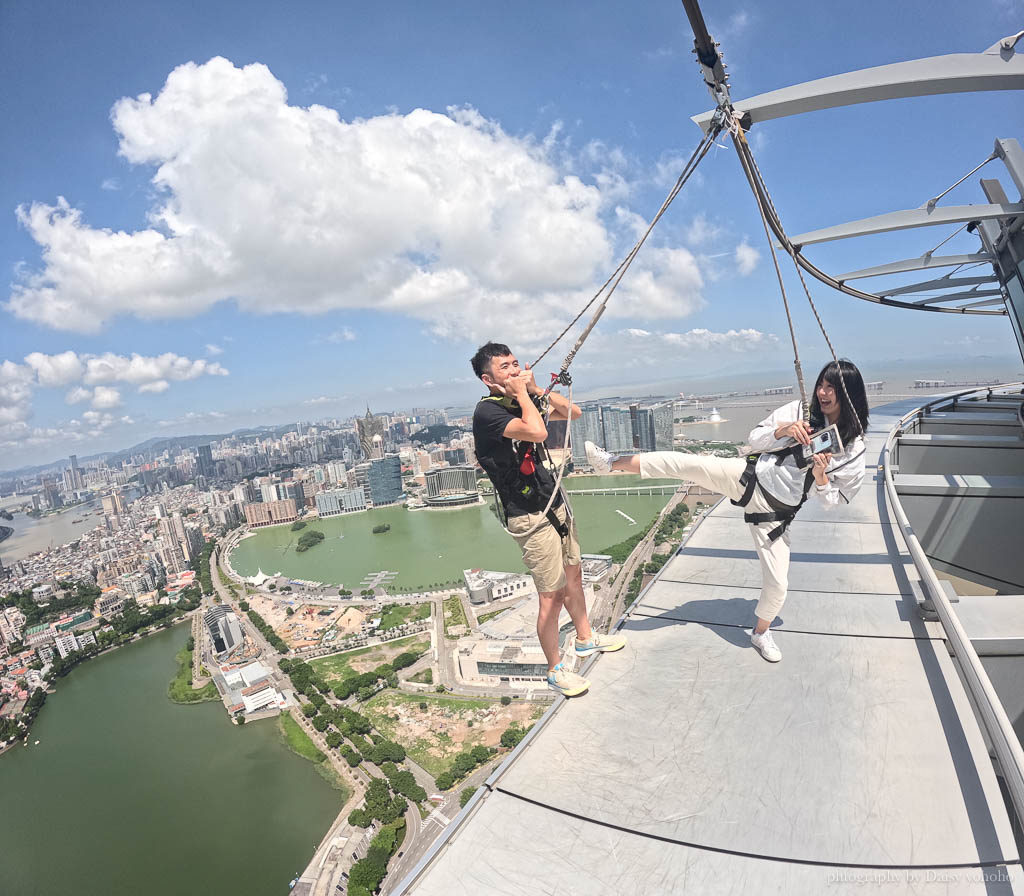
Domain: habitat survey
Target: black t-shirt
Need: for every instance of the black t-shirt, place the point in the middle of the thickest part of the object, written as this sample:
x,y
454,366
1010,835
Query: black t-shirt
x,y
500,457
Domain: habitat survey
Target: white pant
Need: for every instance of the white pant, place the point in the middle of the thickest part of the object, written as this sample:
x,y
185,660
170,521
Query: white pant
x,y
722,475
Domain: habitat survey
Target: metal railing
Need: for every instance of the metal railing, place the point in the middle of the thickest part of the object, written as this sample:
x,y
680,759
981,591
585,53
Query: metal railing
x,y
997,725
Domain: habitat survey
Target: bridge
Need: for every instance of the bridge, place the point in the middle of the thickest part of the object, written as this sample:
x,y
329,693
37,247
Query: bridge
x,y
642,490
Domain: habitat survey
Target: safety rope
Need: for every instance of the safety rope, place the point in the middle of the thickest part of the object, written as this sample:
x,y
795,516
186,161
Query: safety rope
x,y
556,490
763,197
805,408
562,377
617,275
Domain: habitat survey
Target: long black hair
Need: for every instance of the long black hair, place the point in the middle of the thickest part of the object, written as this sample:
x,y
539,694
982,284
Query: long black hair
x,y
853,401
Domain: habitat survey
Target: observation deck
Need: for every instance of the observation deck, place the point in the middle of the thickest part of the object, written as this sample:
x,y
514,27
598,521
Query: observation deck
x,y
695,766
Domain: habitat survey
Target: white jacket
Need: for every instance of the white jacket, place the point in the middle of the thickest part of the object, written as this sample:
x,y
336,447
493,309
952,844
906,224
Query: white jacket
x,y
785,480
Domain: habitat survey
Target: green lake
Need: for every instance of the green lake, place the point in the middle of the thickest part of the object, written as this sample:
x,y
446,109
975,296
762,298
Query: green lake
x,y
427,546
128,793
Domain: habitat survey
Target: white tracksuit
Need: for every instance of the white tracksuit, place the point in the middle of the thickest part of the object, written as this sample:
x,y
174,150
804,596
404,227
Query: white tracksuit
x,y
783,480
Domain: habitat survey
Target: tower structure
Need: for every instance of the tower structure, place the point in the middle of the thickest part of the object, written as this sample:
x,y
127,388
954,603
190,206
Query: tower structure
x,y
368,427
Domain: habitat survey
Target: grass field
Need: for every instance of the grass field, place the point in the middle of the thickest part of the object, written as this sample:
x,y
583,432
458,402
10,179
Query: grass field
x,y
454,614
297,739
435,735
299,742
484,617
180,689
353,662
395,616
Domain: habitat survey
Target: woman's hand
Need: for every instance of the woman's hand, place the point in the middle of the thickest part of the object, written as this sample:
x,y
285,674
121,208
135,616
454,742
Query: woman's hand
x,y
801,431
820,462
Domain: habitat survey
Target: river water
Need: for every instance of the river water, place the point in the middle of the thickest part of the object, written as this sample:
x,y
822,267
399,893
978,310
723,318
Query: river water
x,y
31,535
129,793
427,547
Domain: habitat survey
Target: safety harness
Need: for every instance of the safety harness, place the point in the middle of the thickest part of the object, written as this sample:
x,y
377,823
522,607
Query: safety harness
x,y
782,513
524,475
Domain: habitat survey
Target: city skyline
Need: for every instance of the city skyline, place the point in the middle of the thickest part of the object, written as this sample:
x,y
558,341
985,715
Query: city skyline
x,y
165,183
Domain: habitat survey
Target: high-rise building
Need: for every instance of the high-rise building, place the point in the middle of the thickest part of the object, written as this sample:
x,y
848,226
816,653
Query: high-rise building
x,y
77,480
664,426
340,500
586,429
206,465
368,427
293,490
385,480
618,429
243,493
224,628
451,486
270,513
641,422
66,643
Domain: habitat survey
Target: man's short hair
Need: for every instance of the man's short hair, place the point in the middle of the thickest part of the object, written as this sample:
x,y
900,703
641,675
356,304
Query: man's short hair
x,y
481,361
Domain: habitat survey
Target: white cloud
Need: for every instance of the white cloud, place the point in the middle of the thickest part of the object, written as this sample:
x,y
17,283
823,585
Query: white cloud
x,y
701,339
214,350
92,378
56,370
325,399
106,397
345,334
284,208
702,231
78,394
747,258
16,383
111,183
140,369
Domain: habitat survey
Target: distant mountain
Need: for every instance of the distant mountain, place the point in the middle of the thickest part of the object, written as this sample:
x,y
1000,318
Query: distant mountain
x,y
155,445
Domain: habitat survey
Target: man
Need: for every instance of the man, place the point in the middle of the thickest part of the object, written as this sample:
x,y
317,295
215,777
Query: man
x,y
509,432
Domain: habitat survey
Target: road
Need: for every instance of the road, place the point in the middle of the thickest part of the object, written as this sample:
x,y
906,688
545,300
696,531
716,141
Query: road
x,y
342,843
433,826
640,555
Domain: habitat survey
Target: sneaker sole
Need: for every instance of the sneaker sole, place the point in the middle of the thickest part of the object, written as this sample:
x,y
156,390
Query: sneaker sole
x,y
589,651
570,692
765,657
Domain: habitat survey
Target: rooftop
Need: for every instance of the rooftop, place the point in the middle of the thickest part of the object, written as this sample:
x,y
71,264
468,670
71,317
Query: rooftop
x,y
694,765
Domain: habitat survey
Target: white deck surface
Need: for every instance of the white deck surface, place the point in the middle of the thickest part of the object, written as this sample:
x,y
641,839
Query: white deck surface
x,y
855,765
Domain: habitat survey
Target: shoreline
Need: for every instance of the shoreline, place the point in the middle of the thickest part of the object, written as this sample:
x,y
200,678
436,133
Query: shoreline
x,y
5,533
52,689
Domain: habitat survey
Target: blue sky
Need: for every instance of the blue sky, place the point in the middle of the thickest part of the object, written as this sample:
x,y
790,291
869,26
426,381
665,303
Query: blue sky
x,y
251,213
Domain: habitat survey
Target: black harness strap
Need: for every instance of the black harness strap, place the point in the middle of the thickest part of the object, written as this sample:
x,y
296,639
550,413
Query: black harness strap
x,y
561,528
781,513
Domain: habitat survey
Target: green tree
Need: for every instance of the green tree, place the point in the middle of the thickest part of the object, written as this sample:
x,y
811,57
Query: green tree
x,y
505,701
466,795
308,710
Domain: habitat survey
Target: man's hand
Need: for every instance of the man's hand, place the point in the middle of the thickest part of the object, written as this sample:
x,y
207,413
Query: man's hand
x,y
820,462
800,431
531,384
517,387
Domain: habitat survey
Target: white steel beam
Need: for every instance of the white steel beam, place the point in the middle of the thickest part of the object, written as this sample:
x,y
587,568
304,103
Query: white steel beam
x,y
955,73
921,263
967,294
941,283
909,218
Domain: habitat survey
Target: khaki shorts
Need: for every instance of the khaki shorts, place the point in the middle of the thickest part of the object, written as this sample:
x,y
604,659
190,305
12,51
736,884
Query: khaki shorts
x,y
546,554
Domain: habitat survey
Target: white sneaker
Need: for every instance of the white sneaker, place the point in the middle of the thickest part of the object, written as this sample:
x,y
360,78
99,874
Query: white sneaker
x,y
766,646
598,458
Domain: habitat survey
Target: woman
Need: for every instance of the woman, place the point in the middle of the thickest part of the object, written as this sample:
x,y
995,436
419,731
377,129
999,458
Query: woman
x,y
782,480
